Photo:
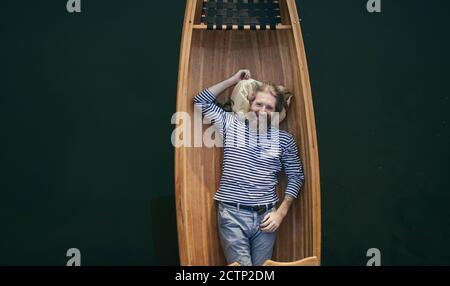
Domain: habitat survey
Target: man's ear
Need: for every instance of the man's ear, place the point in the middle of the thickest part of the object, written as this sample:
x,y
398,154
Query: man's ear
x,y
287,98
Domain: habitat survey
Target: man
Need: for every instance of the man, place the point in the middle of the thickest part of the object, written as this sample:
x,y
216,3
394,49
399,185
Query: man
x,y
247,216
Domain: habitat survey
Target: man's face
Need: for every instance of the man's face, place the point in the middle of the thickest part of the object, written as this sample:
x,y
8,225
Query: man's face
x,y
264,103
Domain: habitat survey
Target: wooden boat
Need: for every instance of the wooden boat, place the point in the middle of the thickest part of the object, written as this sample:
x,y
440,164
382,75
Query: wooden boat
x,y
215,44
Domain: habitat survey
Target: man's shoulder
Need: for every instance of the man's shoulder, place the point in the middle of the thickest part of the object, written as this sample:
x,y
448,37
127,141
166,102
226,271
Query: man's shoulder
x,y
286,135
286,139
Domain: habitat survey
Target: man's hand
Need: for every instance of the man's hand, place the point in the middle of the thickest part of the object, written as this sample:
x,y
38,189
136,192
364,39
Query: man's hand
x,y
271,221
240,75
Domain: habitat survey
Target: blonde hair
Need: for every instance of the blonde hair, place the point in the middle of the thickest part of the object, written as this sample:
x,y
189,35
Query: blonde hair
x,y
281,94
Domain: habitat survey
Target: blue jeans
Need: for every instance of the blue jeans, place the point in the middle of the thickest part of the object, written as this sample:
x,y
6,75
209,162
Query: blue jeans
x,y
241,237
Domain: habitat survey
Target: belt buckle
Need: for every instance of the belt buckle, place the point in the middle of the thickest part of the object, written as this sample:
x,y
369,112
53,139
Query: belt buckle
x,y
260,209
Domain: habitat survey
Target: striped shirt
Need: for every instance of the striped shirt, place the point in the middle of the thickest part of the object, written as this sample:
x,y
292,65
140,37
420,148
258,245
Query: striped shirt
x,y
252,160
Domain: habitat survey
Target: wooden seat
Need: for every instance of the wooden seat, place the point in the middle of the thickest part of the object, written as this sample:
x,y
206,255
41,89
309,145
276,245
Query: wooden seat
x,y
308,261
234,264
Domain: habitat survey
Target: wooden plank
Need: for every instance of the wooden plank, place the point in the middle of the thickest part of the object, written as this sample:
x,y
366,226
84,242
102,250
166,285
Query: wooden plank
x,y
284,13
309,261
198,12
180,160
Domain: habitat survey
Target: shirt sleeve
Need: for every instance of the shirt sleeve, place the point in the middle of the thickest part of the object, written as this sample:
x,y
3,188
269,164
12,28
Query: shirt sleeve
x,y
293,168
204,101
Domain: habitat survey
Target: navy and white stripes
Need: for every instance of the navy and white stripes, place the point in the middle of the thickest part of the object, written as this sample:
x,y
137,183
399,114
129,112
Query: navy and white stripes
x,y
252,160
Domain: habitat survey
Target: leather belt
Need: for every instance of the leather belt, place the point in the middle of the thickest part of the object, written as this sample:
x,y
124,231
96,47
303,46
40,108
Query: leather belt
x,y
260,209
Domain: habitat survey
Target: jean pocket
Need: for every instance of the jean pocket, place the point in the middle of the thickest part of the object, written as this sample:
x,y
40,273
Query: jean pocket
x,y
222,214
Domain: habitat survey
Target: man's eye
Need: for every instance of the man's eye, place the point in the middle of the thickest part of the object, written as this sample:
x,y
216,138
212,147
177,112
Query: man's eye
x,y
270,108
258,104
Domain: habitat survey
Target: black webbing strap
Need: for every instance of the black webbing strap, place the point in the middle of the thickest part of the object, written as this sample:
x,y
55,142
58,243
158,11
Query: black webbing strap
x,y
217,14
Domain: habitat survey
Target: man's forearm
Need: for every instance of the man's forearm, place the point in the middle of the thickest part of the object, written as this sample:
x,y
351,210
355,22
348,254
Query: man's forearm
x,y
285,205
221,86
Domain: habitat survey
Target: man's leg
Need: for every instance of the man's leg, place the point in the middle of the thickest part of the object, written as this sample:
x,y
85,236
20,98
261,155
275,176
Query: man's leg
x,y
262,243
233,236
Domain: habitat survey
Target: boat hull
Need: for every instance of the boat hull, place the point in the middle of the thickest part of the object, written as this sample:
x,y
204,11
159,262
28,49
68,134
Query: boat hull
x,y
208,57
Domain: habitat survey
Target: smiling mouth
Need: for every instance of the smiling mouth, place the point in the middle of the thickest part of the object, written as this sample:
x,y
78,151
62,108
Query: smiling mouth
x,y
262,113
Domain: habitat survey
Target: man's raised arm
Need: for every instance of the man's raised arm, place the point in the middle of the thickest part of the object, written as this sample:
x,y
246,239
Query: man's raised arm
x,y
204,100
218,88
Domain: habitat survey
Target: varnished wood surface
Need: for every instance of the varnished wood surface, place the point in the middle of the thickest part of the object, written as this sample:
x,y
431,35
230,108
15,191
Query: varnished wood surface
x,y
207,57
309,261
